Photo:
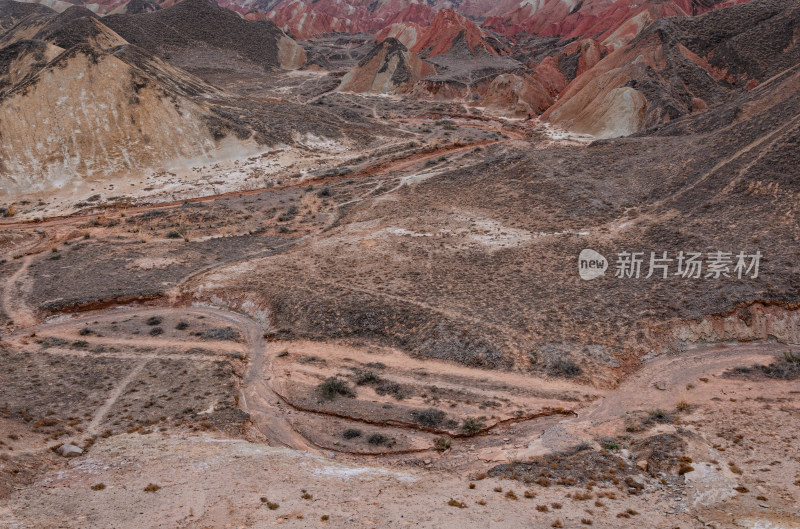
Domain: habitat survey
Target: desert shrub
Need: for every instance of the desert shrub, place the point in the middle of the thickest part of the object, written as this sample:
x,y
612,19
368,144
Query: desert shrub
x,y
377,439
442,443
659,416
786,368
99,486
155,331
182,326
154,320
152,487
456,503
364,377
384,387
609,443
334,387
224,333
351,433
471,425
430,417
564,367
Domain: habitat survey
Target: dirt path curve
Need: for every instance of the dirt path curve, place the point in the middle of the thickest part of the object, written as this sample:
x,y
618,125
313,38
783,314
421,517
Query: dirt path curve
x,y
257,396
14,302
662,382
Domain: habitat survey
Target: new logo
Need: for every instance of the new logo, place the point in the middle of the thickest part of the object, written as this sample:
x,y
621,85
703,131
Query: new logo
x,y
591,265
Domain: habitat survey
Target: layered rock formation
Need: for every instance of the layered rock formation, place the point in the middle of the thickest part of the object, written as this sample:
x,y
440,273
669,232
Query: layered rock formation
x,y
681,65
390,67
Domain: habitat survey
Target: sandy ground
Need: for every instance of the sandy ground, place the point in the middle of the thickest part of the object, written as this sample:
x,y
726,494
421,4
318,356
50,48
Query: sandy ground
x,y
246,441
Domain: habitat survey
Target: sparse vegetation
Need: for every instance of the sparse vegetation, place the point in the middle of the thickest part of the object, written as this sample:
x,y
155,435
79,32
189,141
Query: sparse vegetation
x,y
609,443
334,387
659,416
430,417
786,367
564,367
152,487
441,444
377,439
351,433
364,377
471,425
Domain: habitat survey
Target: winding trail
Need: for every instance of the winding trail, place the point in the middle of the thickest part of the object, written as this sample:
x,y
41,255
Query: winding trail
x,y
259,388
14,301
100,414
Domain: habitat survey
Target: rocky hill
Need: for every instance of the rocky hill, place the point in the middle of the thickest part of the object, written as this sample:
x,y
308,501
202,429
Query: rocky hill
x,y
199,34
80,103
390,67
678,66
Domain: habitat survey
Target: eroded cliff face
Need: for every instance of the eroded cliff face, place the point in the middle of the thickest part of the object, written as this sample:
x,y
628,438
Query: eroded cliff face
x,y
89,115
752,322
390,67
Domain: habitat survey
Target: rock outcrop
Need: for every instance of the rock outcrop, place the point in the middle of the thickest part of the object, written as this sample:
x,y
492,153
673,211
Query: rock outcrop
x,y
390,67
678,66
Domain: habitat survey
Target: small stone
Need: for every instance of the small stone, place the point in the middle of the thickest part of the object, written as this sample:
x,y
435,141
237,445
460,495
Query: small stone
x,y
661,385
426,461
69,450
641,465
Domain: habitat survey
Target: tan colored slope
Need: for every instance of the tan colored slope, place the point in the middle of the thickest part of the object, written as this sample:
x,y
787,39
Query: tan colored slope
x,y
388,68
604,107
597,102
291,55
27,58
90,115
520,94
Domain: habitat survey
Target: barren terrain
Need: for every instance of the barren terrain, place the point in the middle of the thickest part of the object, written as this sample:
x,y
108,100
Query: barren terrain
x,y
275,296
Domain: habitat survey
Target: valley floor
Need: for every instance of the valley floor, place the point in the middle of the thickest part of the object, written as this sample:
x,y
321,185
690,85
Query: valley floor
x,y
149,335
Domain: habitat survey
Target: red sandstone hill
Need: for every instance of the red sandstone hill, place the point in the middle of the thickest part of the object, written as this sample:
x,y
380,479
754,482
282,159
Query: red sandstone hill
x,y
438,38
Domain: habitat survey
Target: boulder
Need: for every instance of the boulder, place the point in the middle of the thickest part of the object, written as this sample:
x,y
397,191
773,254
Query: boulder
x,y
69,450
